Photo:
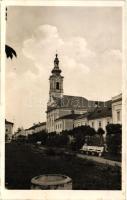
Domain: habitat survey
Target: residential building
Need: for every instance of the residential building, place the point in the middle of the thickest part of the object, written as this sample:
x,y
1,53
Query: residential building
x,y
65,122
117,109
41,126
21,132
101,117
8,131
81,120
33,129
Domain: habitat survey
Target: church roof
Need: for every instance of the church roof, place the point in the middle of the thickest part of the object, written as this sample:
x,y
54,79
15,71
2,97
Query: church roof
x,y
77,102
68,101
85,115
70,116
100,113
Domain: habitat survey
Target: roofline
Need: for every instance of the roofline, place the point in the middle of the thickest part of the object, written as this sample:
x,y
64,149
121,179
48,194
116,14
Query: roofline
x,y
78,108
116,100
76,96
81,117
36,125
64,117
7,122
92,118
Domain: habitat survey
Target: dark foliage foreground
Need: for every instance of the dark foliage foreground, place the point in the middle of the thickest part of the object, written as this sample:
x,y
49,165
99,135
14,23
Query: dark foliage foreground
x,y
10,52
114,138
23,162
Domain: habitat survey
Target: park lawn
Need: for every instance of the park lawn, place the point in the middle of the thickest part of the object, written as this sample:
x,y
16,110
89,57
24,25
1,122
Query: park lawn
x,y
23,162
113,157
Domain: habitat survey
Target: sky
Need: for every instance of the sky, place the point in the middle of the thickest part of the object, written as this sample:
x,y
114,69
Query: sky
x,y
88,41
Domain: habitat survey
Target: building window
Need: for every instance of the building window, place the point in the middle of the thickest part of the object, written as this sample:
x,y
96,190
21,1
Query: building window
x,y
118,116
107,122
57,85
93,124
6,129
99,123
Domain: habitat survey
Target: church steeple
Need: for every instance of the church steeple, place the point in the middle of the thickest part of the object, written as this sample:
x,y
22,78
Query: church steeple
x,y
56,69
56,61
56,80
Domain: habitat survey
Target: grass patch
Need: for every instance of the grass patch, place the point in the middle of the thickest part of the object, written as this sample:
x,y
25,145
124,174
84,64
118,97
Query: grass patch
x,y
113,157
23,162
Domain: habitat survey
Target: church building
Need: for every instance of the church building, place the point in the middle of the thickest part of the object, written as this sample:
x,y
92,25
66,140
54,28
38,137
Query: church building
x,y
62,109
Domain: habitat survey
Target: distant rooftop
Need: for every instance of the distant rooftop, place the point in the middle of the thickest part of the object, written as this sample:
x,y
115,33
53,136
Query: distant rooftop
x,y
100,113
97,113
7,122
70,116
117,97
37,125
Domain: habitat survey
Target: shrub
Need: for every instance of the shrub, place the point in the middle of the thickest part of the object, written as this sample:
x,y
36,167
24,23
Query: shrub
x,y
50,152
114,138
40,136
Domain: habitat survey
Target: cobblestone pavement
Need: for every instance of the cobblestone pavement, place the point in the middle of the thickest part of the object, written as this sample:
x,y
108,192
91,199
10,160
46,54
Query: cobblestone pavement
x,y
100,160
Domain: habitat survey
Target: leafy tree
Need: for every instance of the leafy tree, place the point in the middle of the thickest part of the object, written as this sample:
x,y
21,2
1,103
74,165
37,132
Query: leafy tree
x,y
101,132
18,130
114,138
56,140
113,129
21,138
82,134
40,136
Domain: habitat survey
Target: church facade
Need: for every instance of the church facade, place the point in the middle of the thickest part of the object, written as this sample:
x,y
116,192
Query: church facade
x,y
63,110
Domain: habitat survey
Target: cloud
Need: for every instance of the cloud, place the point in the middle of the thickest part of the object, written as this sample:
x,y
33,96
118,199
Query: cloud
x,y
46,32
43,44
87,72
115,53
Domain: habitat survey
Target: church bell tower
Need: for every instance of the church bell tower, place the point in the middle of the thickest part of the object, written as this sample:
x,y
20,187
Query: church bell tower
x,y
56,81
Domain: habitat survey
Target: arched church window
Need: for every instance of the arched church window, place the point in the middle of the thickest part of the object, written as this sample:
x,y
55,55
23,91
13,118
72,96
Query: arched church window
x,y
57,85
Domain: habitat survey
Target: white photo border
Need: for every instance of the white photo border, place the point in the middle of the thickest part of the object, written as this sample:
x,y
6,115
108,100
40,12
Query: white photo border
x,y
59,194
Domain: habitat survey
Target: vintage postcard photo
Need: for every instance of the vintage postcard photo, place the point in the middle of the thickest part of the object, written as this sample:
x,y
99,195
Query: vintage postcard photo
x,y
63,98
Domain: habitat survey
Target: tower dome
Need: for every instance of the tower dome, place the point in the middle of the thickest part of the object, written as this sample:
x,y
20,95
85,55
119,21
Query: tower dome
x,y
56,80
56,69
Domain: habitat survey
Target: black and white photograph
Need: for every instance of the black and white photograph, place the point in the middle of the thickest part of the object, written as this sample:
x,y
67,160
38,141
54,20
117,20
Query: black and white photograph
x,y
63,98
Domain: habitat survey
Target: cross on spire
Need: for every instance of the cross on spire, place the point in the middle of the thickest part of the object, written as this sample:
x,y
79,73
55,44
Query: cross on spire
x,y
56,61
56,69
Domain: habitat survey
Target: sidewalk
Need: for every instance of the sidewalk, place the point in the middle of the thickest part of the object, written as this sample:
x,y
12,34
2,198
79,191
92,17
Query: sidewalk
x,y
100,159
